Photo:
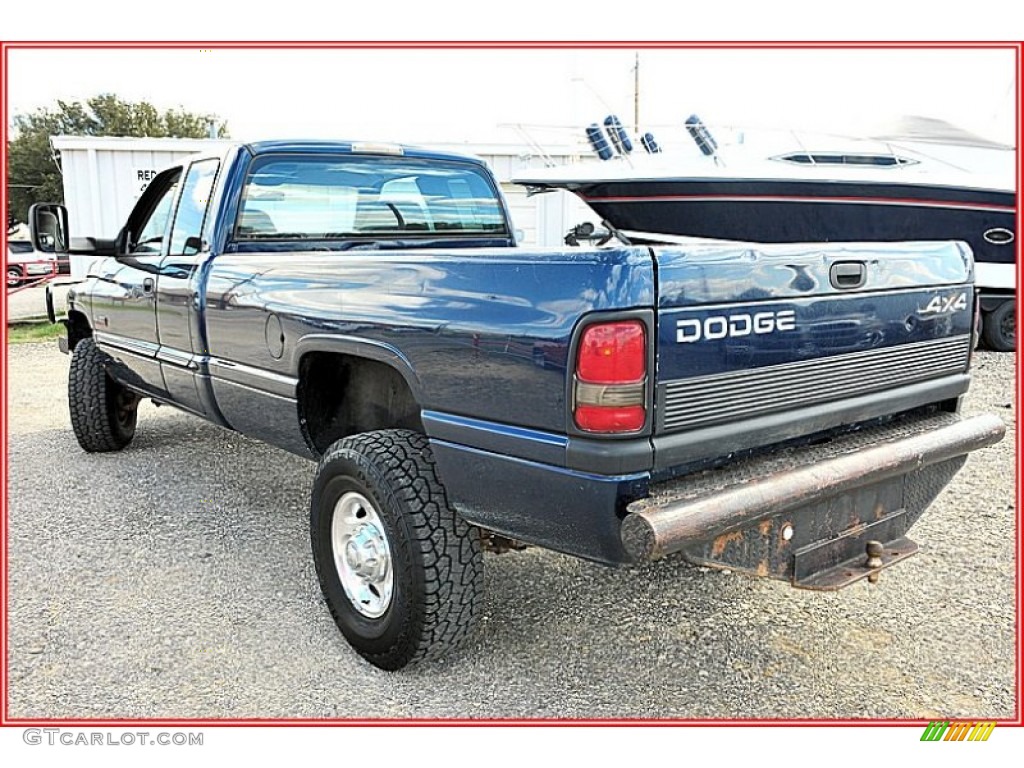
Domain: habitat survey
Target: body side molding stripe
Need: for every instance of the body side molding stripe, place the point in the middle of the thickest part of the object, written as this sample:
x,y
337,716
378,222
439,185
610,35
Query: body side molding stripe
x,y
521,442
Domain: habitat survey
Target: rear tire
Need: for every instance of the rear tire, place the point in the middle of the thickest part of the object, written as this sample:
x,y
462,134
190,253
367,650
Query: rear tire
x,y
103,413
14,277
999,327
400,571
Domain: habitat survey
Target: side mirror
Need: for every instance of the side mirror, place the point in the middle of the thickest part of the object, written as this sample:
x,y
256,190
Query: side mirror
x,y
48,225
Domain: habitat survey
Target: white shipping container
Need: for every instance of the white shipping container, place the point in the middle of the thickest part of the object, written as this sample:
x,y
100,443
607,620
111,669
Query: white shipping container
x,y
105,176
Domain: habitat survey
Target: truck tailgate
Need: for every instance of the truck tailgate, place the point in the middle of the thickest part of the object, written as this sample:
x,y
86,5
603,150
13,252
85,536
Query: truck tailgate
x,y
758,344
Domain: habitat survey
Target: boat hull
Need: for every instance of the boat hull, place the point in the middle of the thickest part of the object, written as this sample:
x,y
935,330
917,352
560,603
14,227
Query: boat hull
x,y
811,211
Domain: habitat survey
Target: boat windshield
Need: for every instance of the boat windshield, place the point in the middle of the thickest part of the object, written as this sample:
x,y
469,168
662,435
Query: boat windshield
x,y
836,158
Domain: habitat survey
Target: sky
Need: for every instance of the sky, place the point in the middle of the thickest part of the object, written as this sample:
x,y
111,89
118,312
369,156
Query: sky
x,y
473,95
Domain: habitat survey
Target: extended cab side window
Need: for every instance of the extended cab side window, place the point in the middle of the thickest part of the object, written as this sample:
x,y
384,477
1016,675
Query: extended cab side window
x,y
186,237
153,214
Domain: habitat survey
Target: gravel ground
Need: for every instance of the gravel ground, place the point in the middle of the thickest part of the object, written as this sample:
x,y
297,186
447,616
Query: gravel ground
x,y
175,580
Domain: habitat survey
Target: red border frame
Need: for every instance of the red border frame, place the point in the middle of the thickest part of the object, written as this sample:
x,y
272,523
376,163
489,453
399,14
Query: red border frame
x,y
7,721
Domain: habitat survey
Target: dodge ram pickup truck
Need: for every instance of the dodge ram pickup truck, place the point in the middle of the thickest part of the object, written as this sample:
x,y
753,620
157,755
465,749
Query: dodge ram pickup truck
x,y
787,411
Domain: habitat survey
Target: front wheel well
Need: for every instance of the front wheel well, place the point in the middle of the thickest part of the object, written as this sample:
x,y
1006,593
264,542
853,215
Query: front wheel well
x,y
78,328
341,395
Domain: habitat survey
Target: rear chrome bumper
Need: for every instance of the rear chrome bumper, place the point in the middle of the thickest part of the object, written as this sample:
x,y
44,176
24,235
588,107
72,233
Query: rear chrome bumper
x,y
820,516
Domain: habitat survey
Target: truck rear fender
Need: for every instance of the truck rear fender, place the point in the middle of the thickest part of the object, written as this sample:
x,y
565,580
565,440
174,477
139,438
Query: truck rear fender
x,y
347,386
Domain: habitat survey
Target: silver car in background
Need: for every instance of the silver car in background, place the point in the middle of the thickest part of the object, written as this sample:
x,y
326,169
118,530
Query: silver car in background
x,y
24,264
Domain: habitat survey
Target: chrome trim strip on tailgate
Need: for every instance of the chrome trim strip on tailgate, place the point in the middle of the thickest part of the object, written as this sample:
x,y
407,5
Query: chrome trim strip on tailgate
x,y
705,400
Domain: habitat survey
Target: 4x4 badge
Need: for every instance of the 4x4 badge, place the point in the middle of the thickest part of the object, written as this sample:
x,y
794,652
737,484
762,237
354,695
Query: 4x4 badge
x,y
940,305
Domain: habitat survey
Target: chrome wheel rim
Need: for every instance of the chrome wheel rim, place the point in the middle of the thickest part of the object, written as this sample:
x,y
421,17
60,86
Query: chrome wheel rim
x,y
362,556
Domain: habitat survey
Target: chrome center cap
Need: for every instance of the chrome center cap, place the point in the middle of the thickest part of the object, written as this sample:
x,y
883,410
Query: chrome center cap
x,y
363,553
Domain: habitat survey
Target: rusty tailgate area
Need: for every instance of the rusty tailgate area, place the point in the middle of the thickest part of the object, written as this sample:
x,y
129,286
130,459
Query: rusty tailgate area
x,y
821,516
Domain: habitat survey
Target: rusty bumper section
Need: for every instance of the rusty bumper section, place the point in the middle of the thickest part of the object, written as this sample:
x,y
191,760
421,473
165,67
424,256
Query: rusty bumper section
x,y
821,516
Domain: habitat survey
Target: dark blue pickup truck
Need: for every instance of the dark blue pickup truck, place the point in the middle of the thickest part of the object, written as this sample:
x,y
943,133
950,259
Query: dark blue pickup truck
x,y
787,411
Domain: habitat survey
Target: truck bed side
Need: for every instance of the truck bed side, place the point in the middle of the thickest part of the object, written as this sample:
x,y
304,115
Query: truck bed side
x,y
480,336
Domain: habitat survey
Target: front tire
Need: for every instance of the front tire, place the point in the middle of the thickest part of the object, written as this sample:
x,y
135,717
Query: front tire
x,y
103,413
400,571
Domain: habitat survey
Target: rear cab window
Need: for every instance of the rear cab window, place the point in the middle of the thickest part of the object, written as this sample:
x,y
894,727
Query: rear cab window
x,y
353,197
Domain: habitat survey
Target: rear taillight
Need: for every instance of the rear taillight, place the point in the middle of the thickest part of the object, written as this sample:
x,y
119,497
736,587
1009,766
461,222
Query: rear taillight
x,y
611,377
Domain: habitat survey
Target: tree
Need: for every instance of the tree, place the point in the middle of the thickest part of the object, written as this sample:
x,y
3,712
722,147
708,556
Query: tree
x,y
33,166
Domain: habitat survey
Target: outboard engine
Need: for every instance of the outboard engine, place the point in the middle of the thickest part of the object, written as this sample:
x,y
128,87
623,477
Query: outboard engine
x,y
701,135
598,141
619,137
649,144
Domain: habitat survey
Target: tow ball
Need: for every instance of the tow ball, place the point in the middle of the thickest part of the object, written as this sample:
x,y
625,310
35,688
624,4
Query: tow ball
x,y
874,550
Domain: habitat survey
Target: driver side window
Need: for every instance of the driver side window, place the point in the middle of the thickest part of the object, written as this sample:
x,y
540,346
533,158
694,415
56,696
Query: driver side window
x,y
151,235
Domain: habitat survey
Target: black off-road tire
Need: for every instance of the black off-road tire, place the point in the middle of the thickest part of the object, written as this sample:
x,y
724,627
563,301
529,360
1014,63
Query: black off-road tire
x,y
999,327
436,557
103,413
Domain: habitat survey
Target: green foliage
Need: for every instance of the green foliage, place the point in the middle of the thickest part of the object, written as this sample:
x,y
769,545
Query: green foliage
x,y
25,333
33,170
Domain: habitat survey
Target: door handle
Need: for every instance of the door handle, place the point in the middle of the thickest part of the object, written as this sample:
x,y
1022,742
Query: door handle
x,y
147,286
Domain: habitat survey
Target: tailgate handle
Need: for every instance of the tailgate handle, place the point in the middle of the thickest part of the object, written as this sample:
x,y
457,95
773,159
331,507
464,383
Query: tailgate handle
x,y
848,274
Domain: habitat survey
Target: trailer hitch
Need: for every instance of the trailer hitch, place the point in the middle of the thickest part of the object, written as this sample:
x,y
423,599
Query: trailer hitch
x,y
820,516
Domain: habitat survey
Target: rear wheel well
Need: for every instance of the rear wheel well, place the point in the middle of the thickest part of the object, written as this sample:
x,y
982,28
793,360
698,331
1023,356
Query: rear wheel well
x,y
993,298
341,395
